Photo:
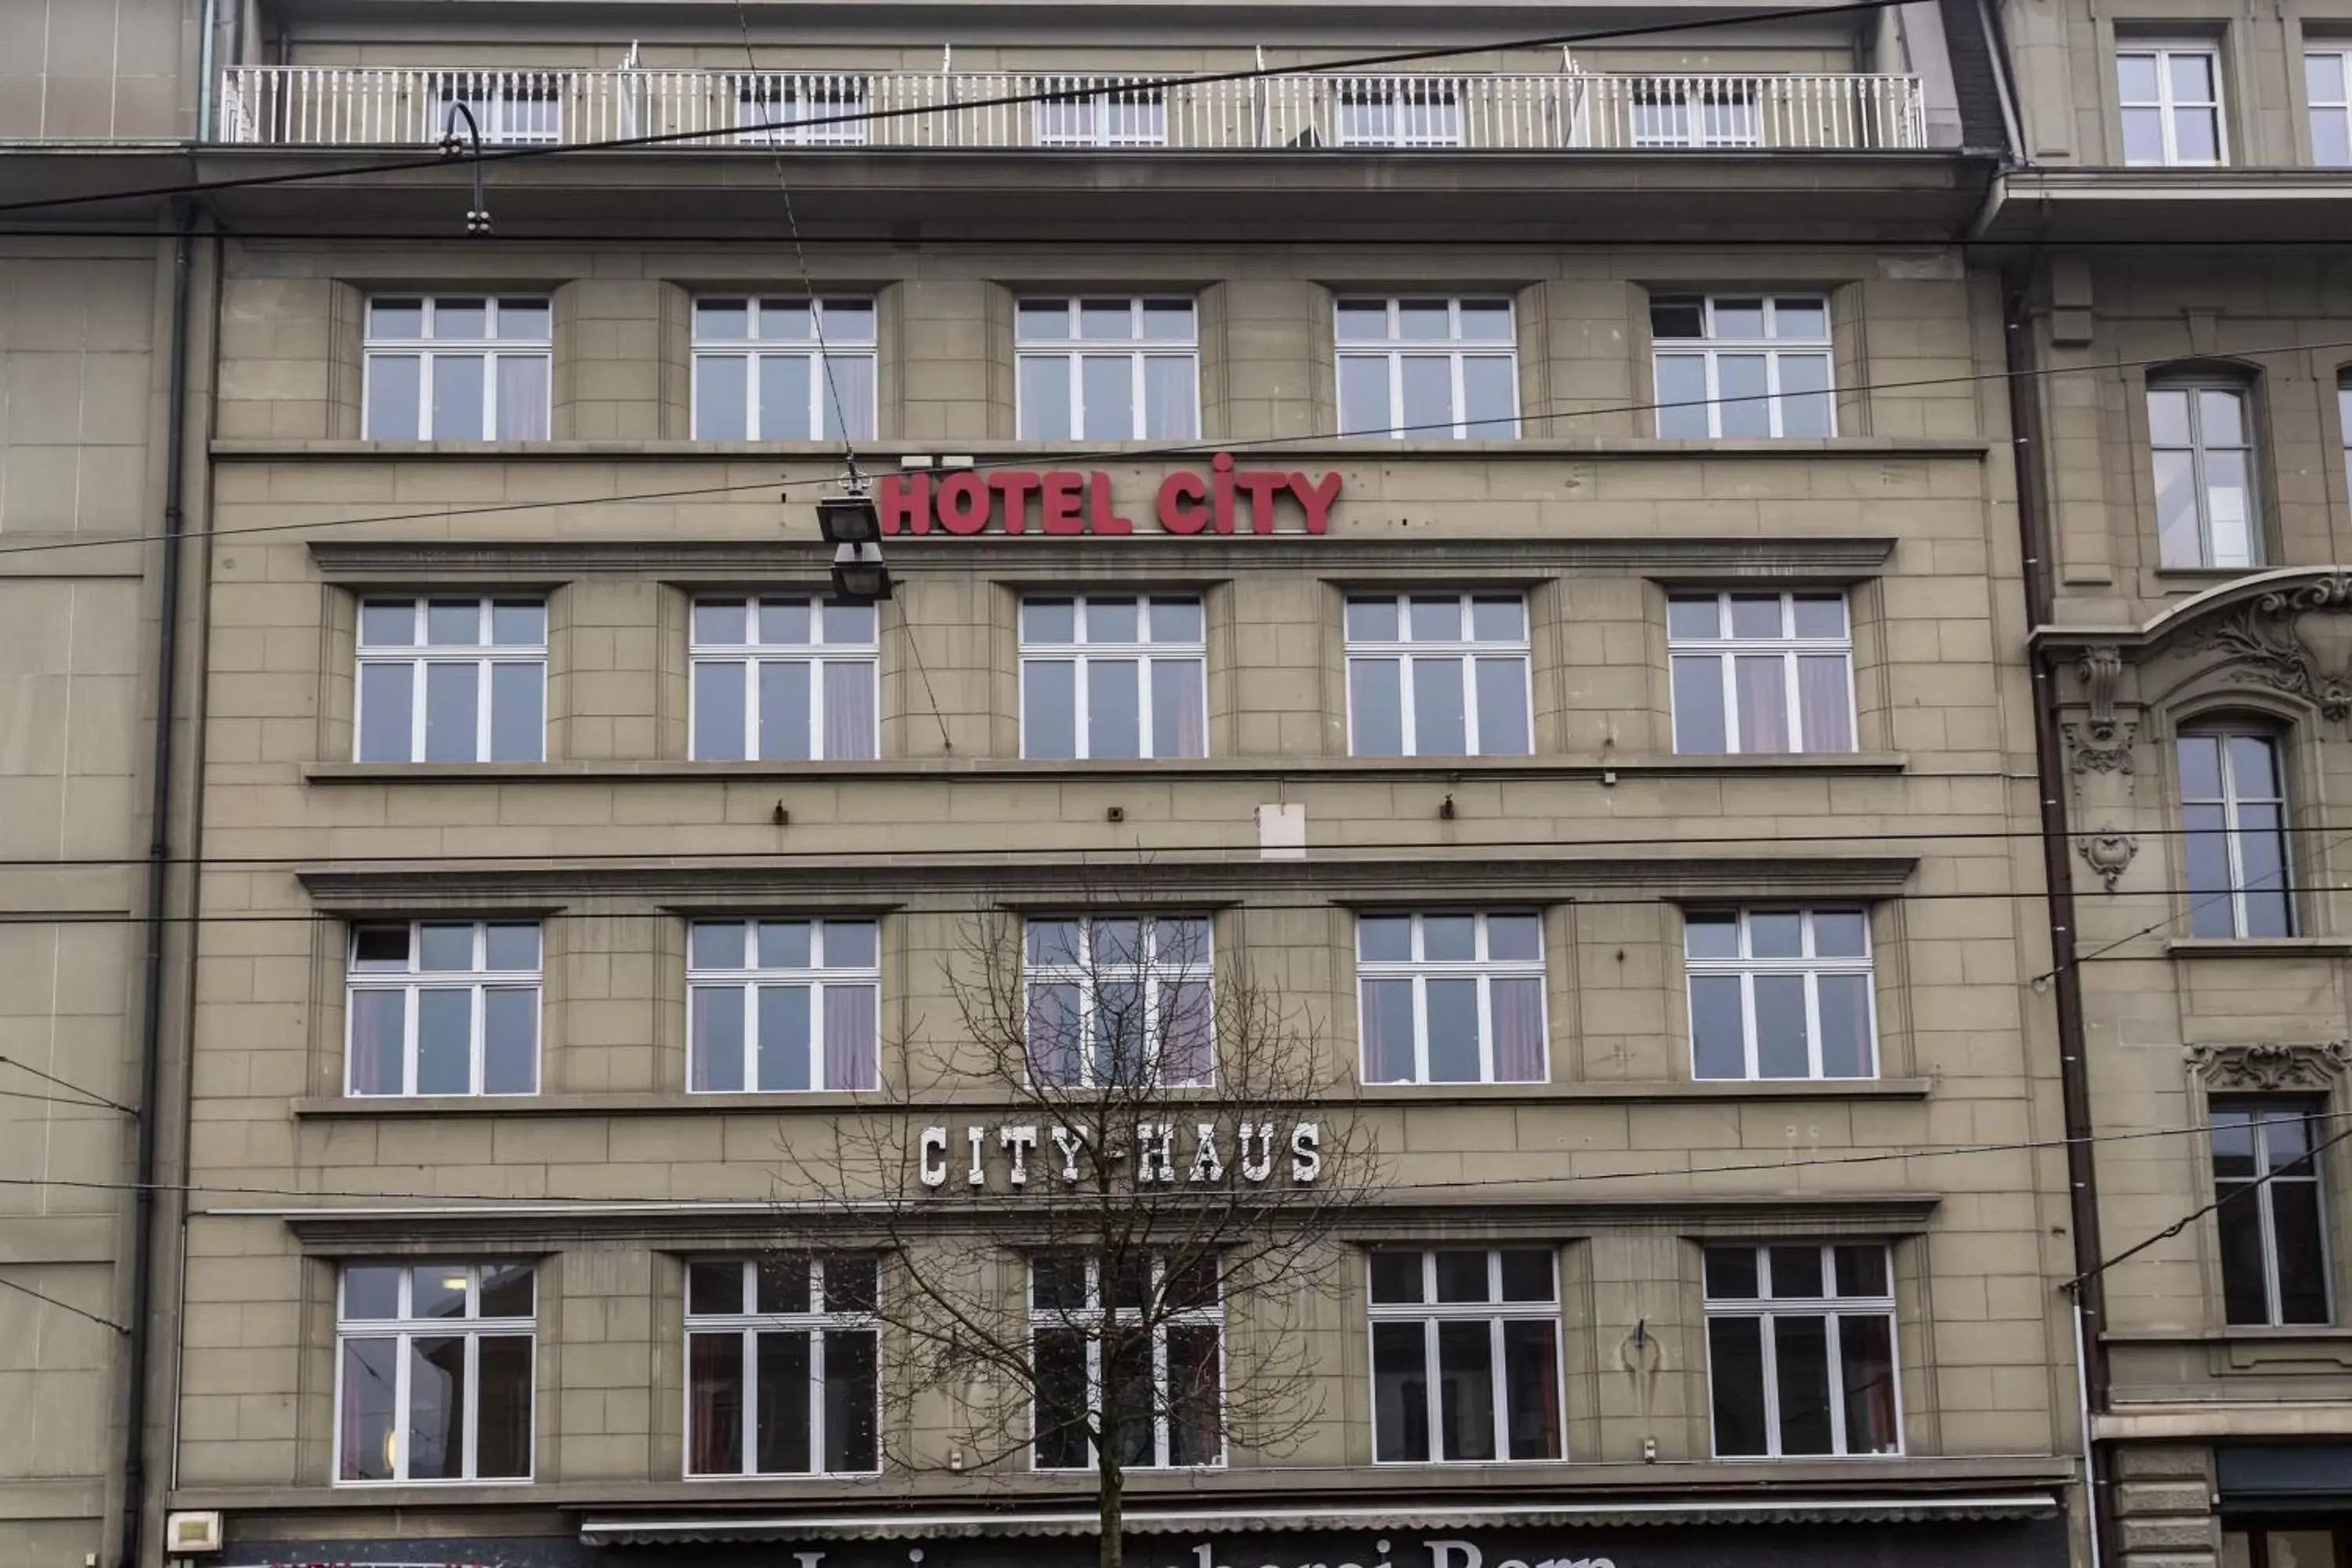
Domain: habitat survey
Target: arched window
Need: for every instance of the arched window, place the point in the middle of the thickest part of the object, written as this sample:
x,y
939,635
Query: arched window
x,y
2233,831
2201,435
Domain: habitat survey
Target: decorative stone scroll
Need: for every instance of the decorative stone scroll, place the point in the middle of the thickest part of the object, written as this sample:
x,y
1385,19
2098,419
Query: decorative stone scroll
x,y
2270,1068
2265,643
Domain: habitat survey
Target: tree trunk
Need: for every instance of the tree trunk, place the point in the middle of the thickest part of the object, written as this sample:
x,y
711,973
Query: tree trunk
x,y
1112,1494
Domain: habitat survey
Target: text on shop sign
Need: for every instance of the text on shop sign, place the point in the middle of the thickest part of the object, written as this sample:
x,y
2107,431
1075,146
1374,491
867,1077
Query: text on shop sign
x,y
1225,499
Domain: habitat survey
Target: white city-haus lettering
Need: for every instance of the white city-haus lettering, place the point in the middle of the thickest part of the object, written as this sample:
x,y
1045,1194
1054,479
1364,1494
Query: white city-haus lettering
x,y
1248,1150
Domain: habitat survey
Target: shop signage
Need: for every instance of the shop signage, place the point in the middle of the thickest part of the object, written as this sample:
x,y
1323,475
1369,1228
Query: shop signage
x,y
1162,1154
1225,499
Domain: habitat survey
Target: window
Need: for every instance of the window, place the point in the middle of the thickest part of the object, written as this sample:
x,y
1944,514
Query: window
x,y
2327,85
1108,370
443,1007
1400,111
1098,114
1105,678
433,1371
1438,675
760,372
452,680
509,107
1140,1353
1760,672
1428,369
445,368
776,1006
1800,1350
1688,114
780,680
2266,1184
1452,998
1465,1356
2233,835
1120,1000
2202,444
783,1366
1780,993
800,110
2171,99
1741,366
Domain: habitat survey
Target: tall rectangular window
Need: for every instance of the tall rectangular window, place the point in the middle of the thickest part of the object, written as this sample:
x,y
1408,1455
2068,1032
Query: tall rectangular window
x,y
1800,1350
1465,1356
1682,113
1121,999
452,680
2233,835
2170,95
2327,89
783,1366
802,111
2202,444
779,1006
1452,998
769,369
510,109
1761,672
1114,677
1400,111
446,367
433,1371
442,1007
2272,1221
1428,369
1101,114
1108,370
1741,366
785,681
1438,675
1780,993
1135,1347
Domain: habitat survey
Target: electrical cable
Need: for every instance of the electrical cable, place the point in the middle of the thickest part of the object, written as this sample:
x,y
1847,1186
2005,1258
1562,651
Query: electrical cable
x,y
62,1306
2193,1216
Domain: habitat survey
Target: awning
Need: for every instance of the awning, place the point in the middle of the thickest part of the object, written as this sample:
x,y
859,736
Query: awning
x,y
869,1525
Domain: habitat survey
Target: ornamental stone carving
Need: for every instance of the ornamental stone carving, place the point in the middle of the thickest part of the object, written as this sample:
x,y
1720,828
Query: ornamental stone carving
x,y
2109,853
2265,642
2269,1067
2101,742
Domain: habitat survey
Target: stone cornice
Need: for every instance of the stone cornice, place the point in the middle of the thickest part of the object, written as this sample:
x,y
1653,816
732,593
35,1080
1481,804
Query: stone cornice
x,y
2269,1067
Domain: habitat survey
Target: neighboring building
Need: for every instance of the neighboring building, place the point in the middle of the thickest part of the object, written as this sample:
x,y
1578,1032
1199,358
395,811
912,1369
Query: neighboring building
x,y
2179,224
1631,777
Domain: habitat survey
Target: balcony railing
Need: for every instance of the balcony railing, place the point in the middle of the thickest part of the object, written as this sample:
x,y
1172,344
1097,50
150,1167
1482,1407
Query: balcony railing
x,y
332,106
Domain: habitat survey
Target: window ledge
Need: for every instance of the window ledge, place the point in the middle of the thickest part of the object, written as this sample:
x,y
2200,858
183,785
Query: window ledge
x,y
2242,1333
1583,766
1531,448
2259,947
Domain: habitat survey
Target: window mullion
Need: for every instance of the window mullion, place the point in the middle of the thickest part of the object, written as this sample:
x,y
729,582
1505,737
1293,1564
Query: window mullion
x,y
413,1002
1749,1049
1834,1373
817,1462
400,1394
1768,1337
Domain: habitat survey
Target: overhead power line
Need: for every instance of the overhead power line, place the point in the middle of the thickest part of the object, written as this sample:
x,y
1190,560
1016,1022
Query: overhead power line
x,y
62,1306
1005,101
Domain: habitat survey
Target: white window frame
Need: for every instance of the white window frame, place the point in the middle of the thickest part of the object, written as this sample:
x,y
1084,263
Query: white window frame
x,y
1698,103
1711,348
1724,650
2162,51
420,655
822,348
1429,1311
1812,967
491,349
1454,348
1465,650
1083,652
473,1328
816,653
2232,801
1092,100
2261,1111
819,1322
1421,971
479,978
1418,110
2341,104
1088,1321
772,108
1770,1309
2198,447
1074,349
498,100
1089,973
819,976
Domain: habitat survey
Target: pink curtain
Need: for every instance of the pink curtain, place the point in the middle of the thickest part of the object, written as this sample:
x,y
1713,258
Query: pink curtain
x,y
850,1037
522,398
378,1021
849,720
1762,686
1192,719
1185,1015
1822,704
1517,1006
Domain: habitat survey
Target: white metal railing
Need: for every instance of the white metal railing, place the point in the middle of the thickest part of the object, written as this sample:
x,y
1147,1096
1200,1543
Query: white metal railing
x,y
337,106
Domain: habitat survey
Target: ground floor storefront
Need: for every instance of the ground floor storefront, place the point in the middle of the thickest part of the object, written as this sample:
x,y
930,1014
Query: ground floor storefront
x,y
2235,1505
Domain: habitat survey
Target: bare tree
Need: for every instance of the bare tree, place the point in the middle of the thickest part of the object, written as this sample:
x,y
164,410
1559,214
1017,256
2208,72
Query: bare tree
x,y
1116,1267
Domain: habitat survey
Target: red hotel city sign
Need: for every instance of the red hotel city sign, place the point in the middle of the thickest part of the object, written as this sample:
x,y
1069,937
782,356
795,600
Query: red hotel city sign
x,y
1225,499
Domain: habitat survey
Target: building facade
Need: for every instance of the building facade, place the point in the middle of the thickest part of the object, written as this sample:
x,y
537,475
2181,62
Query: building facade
x,y
1512,554
2179,296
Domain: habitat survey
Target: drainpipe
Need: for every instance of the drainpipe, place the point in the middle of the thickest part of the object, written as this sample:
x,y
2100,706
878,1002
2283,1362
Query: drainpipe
x,y
159,865
2058,876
